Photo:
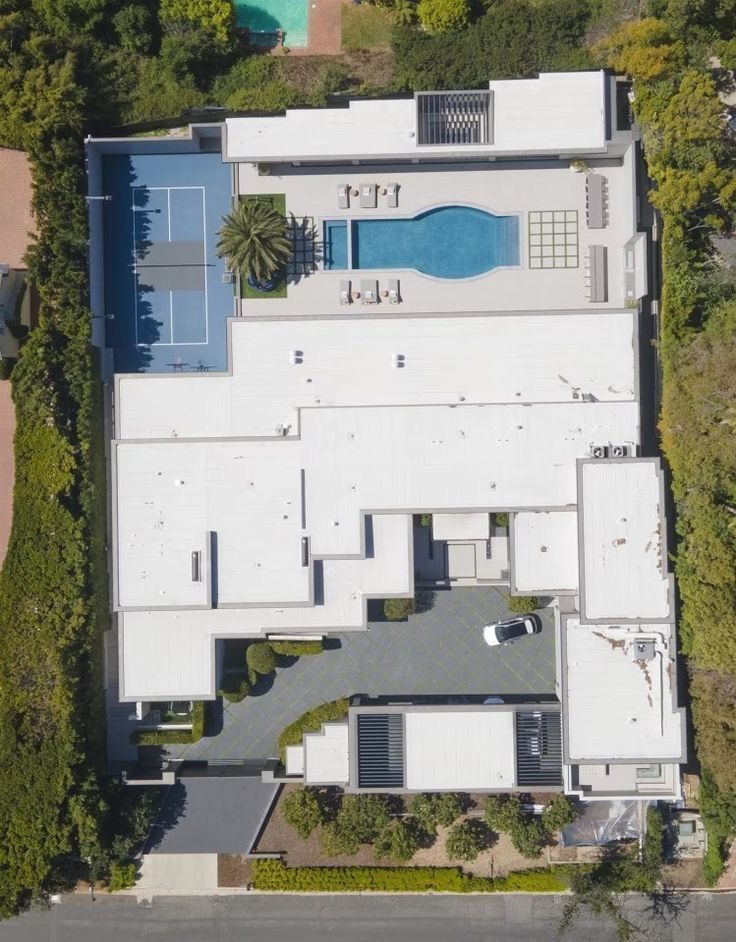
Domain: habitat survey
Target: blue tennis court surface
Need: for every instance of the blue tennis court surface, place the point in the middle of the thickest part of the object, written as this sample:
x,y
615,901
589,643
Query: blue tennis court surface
x,y
165,298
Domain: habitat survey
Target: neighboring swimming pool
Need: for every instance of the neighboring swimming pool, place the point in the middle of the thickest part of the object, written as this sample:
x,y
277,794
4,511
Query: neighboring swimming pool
x,y
447,242
267,16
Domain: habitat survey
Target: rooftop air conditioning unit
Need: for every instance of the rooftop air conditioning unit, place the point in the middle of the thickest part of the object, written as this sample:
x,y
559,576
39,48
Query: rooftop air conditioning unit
x,y
643,650
618,451
597,451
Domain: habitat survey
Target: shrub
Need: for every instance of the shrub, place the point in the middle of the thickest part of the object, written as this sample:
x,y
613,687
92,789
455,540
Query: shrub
x,y
559,812
442,16
520,604
162,737
302,811
501,520
337,843
465,841
296,648
275,875
503,812
260,658
122,877
399,840
399,609
6,367
506,813
235,687
529,837
437,808
311,722
214,16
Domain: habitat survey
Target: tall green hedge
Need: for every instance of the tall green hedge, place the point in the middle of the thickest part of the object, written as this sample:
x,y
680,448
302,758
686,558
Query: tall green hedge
x,y
275,875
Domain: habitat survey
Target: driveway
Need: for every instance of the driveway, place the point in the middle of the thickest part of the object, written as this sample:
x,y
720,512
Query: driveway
x,y
439,651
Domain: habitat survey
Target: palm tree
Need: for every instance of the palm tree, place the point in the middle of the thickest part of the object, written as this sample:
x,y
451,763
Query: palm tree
x,y
254,240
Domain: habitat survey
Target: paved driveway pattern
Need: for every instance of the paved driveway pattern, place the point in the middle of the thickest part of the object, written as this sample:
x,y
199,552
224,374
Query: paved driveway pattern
x,y
439,651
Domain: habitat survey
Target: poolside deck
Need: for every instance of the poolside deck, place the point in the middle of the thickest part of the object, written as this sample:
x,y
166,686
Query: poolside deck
x,y
523,188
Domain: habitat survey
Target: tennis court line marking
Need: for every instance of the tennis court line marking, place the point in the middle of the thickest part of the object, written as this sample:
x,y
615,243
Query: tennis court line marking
x,y
135,209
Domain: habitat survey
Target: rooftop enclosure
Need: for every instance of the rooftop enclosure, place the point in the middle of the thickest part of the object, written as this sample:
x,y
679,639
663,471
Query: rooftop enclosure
x,y
466,748
270,448
552,114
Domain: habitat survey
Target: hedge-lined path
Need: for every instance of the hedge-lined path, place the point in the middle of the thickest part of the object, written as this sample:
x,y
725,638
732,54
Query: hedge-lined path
x,y
439,651
7,465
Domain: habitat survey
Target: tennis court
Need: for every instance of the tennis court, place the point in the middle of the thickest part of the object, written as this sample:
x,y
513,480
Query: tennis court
x,y
165,293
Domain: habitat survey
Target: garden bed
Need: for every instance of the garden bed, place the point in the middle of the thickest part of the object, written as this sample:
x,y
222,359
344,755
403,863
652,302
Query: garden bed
x,y
247,291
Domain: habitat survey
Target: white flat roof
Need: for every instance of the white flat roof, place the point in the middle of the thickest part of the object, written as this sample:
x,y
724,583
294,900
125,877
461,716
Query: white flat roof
x,y
165,661
172,495
554,113
545,552
461,526
326,760
460,750
619,708
623,568
351,362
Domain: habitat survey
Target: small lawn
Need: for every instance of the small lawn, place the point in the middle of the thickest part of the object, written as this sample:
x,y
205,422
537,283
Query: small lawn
x,y
366,27
278,201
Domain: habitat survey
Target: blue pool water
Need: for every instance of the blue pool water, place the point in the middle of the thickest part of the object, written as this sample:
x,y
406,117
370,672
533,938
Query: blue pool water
x,y
447,242
266,16
336,244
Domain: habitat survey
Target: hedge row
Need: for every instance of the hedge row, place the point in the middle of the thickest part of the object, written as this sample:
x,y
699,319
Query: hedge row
x,y
275,875
183,737
311,722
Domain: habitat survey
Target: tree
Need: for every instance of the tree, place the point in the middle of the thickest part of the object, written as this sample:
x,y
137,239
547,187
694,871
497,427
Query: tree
x,y
122,877
359,820
559,812
436,809
260,658
443,16
466,840
302,810
596,891
214,16
404,12
399,840
506,813
254,240
134,27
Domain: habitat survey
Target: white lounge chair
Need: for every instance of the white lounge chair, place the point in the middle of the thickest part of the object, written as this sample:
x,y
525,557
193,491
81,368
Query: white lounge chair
x,y
369,291
367,195
392,195
345,296
343,195
394,295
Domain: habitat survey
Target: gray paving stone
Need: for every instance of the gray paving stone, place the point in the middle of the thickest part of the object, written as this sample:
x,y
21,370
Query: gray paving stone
x,y
440,651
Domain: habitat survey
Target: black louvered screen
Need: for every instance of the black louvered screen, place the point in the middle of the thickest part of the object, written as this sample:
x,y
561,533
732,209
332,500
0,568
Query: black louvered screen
x,y
380,750
538,749
454,118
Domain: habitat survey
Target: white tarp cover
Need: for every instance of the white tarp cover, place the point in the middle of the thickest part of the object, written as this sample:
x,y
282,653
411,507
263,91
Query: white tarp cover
x,y
603,822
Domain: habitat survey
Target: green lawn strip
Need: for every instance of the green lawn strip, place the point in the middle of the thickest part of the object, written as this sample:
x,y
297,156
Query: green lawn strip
x,y
366,27
311,722
275,875
278,201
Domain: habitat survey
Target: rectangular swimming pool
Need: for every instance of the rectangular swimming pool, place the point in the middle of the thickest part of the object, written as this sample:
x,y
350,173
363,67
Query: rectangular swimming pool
x,y
336,244
268,16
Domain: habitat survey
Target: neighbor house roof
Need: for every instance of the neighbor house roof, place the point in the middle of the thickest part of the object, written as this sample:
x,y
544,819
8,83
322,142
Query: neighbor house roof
x,y
16,218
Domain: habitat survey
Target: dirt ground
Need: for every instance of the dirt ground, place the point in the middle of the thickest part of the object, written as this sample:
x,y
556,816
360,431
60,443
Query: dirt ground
x,y
496,861
685,873
232,870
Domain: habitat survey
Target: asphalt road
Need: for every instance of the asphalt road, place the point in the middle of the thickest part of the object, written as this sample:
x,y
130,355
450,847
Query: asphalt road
x,y
520,918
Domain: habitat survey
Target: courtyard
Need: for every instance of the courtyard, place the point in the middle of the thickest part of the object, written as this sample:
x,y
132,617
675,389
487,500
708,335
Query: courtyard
x,y
437,652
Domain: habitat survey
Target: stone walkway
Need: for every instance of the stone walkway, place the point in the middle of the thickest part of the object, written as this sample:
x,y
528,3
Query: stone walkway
x,y
439,651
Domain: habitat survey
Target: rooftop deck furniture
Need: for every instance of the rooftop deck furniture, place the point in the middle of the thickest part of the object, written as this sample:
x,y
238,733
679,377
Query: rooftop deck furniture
x,y
392,195
369,290
393,291
343,195
345,297
368,195
595,200
596,276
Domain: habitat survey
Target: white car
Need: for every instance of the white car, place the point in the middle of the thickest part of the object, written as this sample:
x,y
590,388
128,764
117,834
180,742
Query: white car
x,y
506,632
